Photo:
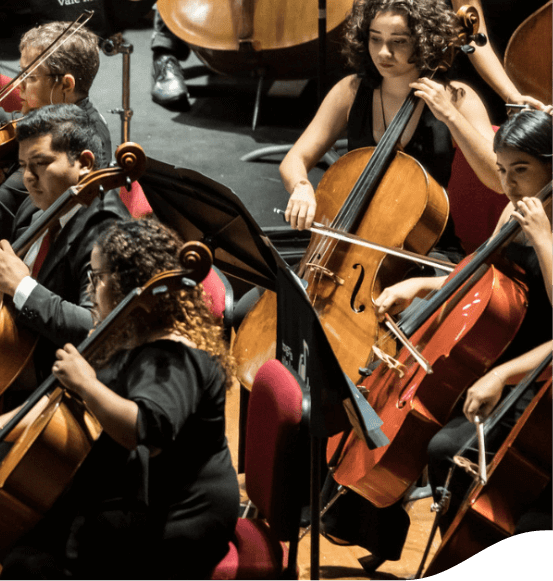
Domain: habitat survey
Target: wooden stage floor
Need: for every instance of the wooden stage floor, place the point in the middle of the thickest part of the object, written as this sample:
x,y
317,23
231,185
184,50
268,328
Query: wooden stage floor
x,y
526,556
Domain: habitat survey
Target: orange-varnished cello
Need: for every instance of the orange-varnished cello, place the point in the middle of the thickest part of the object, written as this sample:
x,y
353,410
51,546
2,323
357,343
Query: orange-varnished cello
x,y
17,345
460,332
43,444
380,195
517,476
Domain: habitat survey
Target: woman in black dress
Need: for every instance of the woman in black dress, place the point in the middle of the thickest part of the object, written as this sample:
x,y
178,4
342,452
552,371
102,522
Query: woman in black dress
x,y
157,498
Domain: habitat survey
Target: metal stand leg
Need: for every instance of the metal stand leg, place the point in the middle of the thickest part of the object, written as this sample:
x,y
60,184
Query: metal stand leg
x,y
257,100
112,46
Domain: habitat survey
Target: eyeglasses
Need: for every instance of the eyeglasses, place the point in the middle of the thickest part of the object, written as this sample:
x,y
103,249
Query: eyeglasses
x,y
34,78
94,277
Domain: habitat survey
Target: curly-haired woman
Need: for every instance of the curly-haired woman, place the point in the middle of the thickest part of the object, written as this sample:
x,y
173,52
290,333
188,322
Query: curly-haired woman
x,y
395,46
157,497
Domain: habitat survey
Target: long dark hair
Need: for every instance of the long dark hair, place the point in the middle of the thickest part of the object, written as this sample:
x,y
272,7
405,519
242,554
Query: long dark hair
x,y
528,131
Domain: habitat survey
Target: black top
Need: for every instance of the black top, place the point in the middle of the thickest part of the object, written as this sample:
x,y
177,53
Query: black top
x,y
187,496
431,145
536,326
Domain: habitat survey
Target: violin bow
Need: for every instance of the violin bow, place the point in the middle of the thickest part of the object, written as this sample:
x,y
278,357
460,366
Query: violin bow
x,y
65,35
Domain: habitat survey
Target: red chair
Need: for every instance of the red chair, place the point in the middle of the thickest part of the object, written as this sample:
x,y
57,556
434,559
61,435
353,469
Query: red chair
x,y
13,101
474,207
277,479
135,200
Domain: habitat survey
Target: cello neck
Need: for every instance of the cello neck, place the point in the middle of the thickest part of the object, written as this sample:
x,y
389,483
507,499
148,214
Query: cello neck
x,y
479,257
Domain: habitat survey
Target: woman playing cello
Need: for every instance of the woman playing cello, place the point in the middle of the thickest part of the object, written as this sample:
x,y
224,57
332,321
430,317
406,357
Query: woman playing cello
x,y
394,45
523,148
157,497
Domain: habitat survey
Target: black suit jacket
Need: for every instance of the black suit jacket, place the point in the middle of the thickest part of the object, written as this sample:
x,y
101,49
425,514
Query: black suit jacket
x,y
58,308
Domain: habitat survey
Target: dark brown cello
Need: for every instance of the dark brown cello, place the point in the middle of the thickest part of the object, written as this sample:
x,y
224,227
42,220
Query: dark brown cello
x,y
460,332
17,345
380,195
528,55
246,37
39,456
517,476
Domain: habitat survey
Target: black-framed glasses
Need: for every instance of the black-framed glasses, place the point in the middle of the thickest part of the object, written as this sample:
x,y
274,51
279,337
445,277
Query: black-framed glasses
x,y
94,276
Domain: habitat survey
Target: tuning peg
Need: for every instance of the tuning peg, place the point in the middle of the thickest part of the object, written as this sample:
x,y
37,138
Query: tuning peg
x,y
479,39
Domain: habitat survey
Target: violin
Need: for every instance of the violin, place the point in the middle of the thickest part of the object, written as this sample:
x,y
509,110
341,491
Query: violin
x,y
65,35
459,333
17,345
277,38
39,460
517,475
378,194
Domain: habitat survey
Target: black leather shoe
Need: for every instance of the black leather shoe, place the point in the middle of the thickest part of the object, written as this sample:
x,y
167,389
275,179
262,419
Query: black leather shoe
x,y
169,88
371,563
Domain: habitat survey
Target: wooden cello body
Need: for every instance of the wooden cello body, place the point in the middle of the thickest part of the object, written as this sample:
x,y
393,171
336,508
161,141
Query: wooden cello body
x,y
528,55
43,459
460,331
245,37
408,210
414,406
517,475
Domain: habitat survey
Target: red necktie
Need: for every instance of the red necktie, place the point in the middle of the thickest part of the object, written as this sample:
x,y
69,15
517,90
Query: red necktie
x,y
48,239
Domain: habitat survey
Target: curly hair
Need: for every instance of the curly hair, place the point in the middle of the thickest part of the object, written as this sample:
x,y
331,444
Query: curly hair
x,y
79,56
136,250
432,24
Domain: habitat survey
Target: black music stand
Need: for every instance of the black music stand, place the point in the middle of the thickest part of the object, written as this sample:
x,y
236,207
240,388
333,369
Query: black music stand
x,y
199,208
335,403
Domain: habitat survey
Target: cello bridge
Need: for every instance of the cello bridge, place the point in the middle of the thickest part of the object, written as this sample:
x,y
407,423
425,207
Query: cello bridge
x,y
389,361
326,272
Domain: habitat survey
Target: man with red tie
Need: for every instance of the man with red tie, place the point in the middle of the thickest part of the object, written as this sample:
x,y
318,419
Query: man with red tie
x,y
57,147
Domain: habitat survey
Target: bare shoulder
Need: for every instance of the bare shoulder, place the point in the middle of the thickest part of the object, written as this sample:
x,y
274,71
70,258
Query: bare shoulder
x,y
344,91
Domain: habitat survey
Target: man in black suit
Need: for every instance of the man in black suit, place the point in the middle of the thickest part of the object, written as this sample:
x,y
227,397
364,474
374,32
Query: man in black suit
x,y
57,147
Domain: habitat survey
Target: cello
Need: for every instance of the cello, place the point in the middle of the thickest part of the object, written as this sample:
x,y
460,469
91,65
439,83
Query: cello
x,y
528,55
276,37
40,456
451,333
380,195
17,345
517,476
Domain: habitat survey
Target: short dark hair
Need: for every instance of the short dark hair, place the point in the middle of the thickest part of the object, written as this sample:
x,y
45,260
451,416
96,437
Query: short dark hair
x,y
528,131
78,56
70,127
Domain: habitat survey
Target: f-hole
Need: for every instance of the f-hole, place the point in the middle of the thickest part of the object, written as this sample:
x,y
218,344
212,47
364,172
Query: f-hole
x,y
360,308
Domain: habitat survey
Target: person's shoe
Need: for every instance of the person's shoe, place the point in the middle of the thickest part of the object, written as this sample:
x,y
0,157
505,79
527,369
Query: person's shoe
x,y
169,88
370,563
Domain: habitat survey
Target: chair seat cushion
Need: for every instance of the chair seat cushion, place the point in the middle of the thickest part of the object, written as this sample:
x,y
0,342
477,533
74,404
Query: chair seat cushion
x,y
259,554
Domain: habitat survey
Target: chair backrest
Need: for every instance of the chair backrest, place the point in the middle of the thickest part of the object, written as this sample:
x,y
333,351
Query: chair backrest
x,y
13,101
220,295
475,209
277,449
135,200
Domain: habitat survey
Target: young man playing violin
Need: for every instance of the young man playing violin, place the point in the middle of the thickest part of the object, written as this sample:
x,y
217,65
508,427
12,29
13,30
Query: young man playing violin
x,y
57,147
64,77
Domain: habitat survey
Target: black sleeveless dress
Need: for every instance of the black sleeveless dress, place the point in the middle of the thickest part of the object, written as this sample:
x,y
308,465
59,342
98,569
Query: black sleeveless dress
x,y
431,145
